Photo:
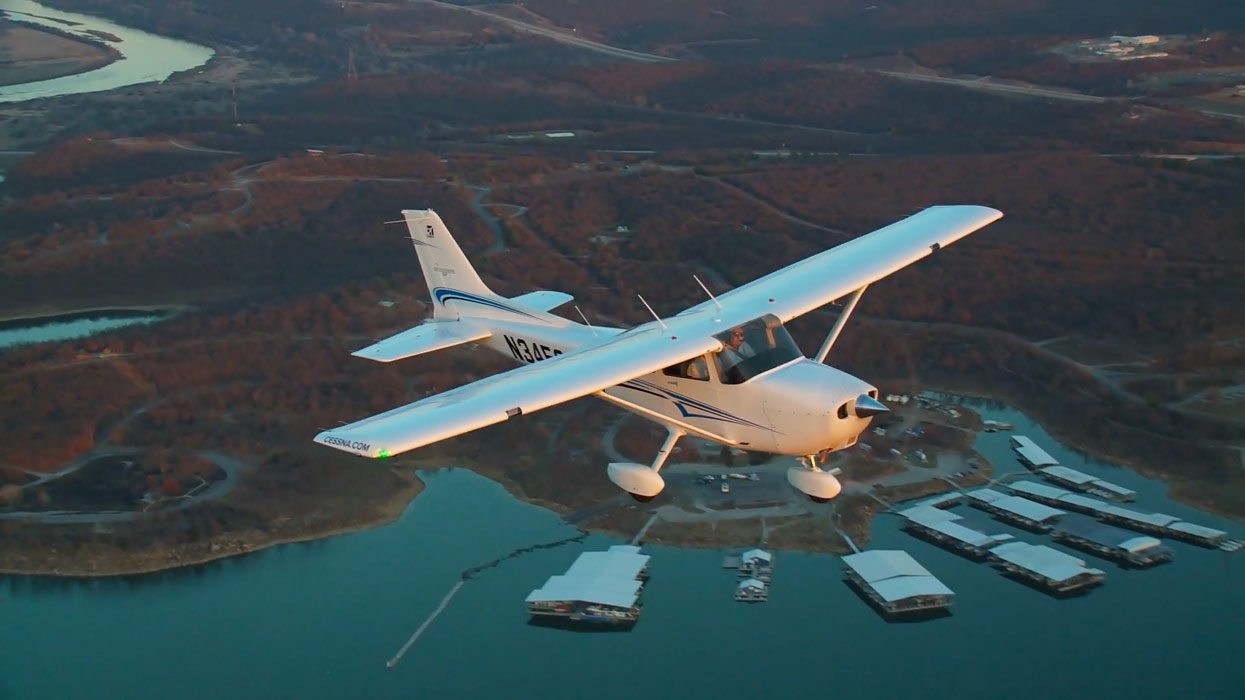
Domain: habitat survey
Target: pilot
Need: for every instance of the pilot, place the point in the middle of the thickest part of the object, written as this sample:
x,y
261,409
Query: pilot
x,y
736,349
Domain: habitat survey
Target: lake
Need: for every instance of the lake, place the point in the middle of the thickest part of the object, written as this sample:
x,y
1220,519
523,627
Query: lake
x,y
320,619
69,326
146,57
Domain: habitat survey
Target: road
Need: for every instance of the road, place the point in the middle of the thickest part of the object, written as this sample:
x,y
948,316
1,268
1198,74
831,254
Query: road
x,y
985,84
556,35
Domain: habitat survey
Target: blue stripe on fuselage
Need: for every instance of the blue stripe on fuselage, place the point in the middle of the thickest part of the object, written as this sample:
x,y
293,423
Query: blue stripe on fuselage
x,y
683,402
442,294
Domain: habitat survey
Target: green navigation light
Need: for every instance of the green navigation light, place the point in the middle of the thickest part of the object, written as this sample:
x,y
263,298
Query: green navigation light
x,y
383,454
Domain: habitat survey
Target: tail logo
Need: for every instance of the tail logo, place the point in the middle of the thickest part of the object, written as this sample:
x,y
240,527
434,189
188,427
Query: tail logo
x,y
428,230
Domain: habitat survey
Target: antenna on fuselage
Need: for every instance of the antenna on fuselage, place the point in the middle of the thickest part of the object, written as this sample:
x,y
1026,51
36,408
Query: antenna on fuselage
x,y
702,286
650,310
585,318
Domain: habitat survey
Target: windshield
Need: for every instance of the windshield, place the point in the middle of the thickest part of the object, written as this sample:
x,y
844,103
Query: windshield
x,y
752,348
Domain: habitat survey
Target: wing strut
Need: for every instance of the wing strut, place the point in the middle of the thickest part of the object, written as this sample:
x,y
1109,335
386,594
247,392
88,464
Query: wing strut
x,y
838,325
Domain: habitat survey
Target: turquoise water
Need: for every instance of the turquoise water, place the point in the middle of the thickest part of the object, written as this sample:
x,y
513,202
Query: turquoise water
x,y
75,328
320,620
146,57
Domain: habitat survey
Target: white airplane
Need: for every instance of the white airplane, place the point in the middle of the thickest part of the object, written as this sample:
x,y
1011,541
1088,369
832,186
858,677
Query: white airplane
x,y
725,370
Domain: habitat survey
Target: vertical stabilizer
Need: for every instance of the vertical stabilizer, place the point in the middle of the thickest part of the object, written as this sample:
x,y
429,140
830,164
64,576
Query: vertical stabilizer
x,y
446,269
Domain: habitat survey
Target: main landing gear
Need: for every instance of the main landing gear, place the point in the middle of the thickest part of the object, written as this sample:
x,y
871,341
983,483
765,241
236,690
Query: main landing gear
x,y
643,482
818,485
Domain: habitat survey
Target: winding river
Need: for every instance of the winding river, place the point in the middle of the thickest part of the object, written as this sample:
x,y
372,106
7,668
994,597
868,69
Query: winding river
x,y
145,58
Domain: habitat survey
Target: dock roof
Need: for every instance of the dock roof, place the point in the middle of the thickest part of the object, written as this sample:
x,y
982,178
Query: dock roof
x,y
1071,476
894,575
986,495
928,514
1042,560
1114,488
1034,488
1152,519
967,535
1087,528
617,592
1025,508
1086,502
1197,530
1032,454
942,500
755,554
610,564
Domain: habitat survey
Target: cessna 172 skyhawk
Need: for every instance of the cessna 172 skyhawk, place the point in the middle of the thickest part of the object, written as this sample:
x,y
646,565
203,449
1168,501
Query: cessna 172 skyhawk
x,y
725,370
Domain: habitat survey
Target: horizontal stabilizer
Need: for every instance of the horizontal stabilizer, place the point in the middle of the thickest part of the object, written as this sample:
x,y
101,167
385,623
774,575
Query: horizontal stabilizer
x,y
542,301
428,337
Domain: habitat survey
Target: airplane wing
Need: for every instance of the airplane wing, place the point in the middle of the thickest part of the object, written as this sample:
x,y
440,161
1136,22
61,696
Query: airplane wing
x,y
526,389
820,279
434,335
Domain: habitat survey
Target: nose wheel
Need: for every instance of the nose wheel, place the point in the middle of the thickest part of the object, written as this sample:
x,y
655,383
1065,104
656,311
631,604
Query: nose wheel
x,y
819,485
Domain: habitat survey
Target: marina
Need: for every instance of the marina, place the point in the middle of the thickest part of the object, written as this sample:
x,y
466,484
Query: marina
x,y
895,583
1030,454
1030,515
1085,533
1080,481
1048,568
1154,523
950,530
600,588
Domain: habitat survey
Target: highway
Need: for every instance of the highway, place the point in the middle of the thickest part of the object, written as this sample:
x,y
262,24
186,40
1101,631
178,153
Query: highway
x,y
557,35
987,85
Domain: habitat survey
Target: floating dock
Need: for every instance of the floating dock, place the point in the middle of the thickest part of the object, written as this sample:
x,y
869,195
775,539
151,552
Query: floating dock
x,y
756,563
1088,483
1030,515
600,588
951,531
752,590
1085,533
895,583
1155,523
1030,453
1046,567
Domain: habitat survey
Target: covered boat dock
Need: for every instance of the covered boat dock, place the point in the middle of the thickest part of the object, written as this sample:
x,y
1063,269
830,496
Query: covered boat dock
x,y
895,583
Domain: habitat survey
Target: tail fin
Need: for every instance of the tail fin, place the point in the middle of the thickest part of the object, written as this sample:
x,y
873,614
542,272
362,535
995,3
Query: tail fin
x,y
446,269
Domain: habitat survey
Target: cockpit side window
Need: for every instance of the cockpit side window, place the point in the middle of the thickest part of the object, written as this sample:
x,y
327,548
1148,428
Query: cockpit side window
x,y
696,368
752,348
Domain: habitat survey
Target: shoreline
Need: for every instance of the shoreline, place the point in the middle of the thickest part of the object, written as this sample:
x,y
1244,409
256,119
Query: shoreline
x,y
392,509
34,319
26,70
387,513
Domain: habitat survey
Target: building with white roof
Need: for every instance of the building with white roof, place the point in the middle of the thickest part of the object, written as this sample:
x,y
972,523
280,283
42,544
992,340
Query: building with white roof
x,y
950,530
1030,453
1200,534
1061,474
1086,482
1038,491
1051,568
1014,509
895,582
599,587
1083,532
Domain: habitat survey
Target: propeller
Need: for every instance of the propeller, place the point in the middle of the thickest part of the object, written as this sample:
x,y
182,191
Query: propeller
x,y
866,407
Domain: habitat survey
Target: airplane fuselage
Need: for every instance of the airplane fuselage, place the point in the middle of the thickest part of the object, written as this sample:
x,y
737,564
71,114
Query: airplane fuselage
x,y
800,407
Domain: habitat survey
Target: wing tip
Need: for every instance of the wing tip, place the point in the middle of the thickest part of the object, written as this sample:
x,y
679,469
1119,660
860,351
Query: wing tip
x,y
360,446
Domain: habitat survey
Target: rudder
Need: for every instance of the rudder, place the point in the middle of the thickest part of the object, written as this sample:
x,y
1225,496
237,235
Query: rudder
x,y
446,269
